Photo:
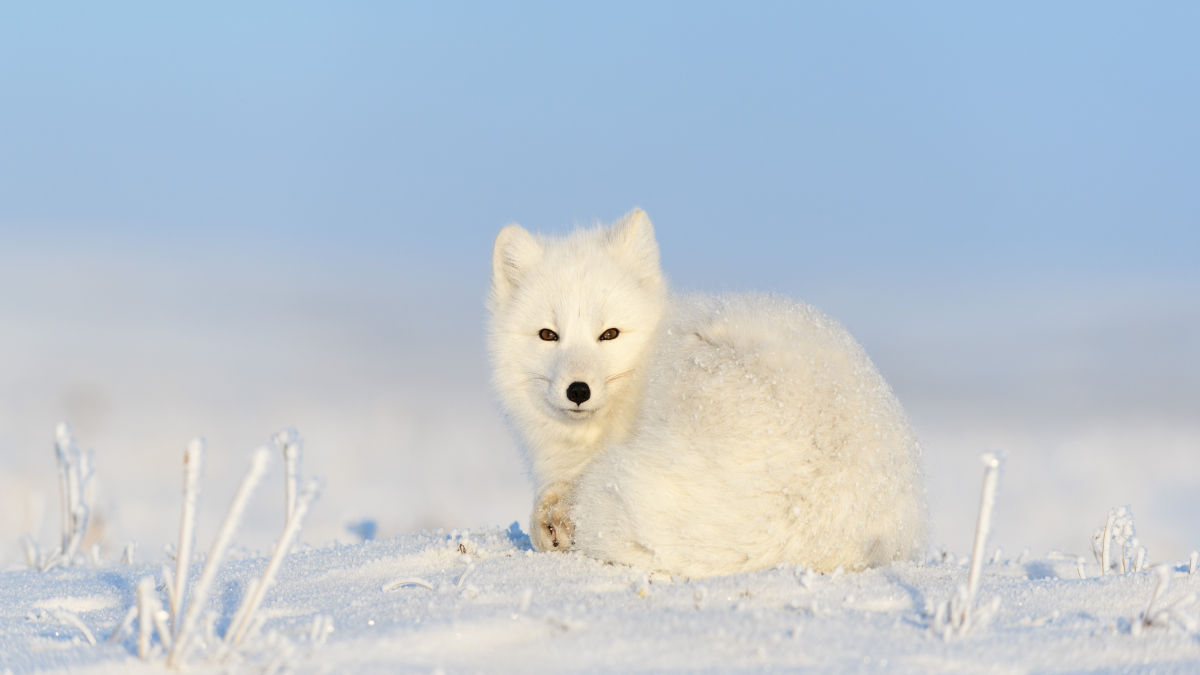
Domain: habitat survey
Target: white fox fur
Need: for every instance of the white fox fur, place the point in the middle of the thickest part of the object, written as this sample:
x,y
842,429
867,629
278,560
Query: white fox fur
x,y
718,434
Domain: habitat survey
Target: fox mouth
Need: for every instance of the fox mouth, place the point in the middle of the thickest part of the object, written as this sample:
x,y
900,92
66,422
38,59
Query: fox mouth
x,y
578,413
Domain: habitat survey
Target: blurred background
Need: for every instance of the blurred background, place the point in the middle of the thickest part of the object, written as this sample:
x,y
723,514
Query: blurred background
x,y
224,220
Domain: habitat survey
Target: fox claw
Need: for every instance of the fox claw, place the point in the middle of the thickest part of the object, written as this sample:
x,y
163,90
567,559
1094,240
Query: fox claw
x,y
551,529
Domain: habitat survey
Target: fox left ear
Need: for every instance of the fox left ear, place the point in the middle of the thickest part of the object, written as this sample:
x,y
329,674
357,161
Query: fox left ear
x,y
514,251
633,236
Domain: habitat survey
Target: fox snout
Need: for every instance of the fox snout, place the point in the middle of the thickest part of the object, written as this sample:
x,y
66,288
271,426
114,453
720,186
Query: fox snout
x,y
578,392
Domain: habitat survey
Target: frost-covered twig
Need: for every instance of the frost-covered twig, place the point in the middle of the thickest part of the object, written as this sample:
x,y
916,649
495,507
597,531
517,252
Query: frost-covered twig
x,y
216,554
322,626
74,479
1104,544
55,558
177,629
124,625
289,442
955,616
33,555
463,577
146,608
406,583
1158,615
162,625
193,458
983,524
167,585
1118,535
62,444
69,618
244,617
1162,581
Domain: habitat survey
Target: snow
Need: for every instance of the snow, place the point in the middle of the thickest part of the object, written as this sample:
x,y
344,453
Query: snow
x,y
398,422
484,601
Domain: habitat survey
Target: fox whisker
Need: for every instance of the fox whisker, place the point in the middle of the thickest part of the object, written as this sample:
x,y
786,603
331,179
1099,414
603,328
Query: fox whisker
x,y
619,375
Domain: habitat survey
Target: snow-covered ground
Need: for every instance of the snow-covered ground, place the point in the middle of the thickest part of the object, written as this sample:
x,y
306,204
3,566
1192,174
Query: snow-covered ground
x,y
1092,395
484,601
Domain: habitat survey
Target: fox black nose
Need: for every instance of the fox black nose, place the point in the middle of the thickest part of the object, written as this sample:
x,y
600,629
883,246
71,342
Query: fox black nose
x,y
578,392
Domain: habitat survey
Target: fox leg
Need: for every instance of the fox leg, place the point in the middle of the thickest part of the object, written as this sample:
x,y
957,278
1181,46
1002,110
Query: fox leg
x,y
550,527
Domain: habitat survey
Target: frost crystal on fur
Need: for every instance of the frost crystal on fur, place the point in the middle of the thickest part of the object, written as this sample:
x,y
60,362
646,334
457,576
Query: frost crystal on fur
x,y
715,434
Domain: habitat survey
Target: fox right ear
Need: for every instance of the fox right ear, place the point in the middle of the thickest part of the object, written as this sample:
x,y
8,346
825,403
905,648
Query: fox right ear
x,y
514,251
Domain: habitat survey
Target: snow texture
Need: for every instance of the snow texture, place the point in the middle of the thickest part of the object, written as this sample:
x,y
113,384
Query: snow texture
x,y
484,600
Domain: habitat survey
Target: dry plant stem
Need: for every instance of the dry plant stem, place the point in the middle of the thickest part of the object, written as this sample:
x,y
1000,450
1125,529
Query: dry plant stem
x,y
404,583
193,457
124,625
168,585
74,473
62,441
216,554
69,618
33,557
146,609
289,440
1161,581
53,559
251,602
984,523
161,624
80,507
239,616
1104,544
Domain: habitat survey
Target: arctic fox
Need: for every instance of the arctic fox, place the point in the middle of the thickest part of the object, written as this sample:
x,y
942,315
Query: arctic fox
x,y
694,435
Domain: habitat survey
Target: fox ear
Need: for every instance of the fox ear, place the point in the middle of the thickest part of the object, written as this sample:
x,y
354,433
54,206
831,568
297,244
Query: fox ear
x,y
514,251
633,236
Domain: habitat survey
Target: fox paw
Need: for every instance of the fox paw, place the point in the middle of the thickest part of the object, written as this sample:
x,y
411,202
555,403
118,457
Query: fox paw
x,y
551,528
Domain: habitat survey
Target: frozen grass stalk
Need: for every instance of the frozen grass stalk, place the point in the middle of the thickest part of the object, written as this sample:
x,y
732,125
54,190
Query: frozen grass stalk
x,y
162,625
124,625
1162,579
289,441
146,609
193,457
74,481
986,500
33,556
955,615
1104,544
1116,545
63,441
1165,615
407,583
70,619
216,554
244,617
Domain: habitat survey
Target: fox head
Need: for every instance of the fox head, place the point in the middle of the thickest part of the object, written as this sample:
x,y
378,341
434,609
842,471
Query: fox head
x,y
572,322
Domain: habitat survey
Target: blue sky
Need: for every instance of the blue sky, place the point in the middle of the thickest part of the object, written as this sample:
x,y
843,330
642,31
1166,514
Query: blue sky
x,y
777,144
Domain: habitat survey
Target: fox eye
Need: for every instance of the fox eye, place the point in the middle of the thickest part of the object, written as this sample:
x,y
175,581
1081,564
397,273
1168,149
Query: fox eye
x,y
547,335
610,334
